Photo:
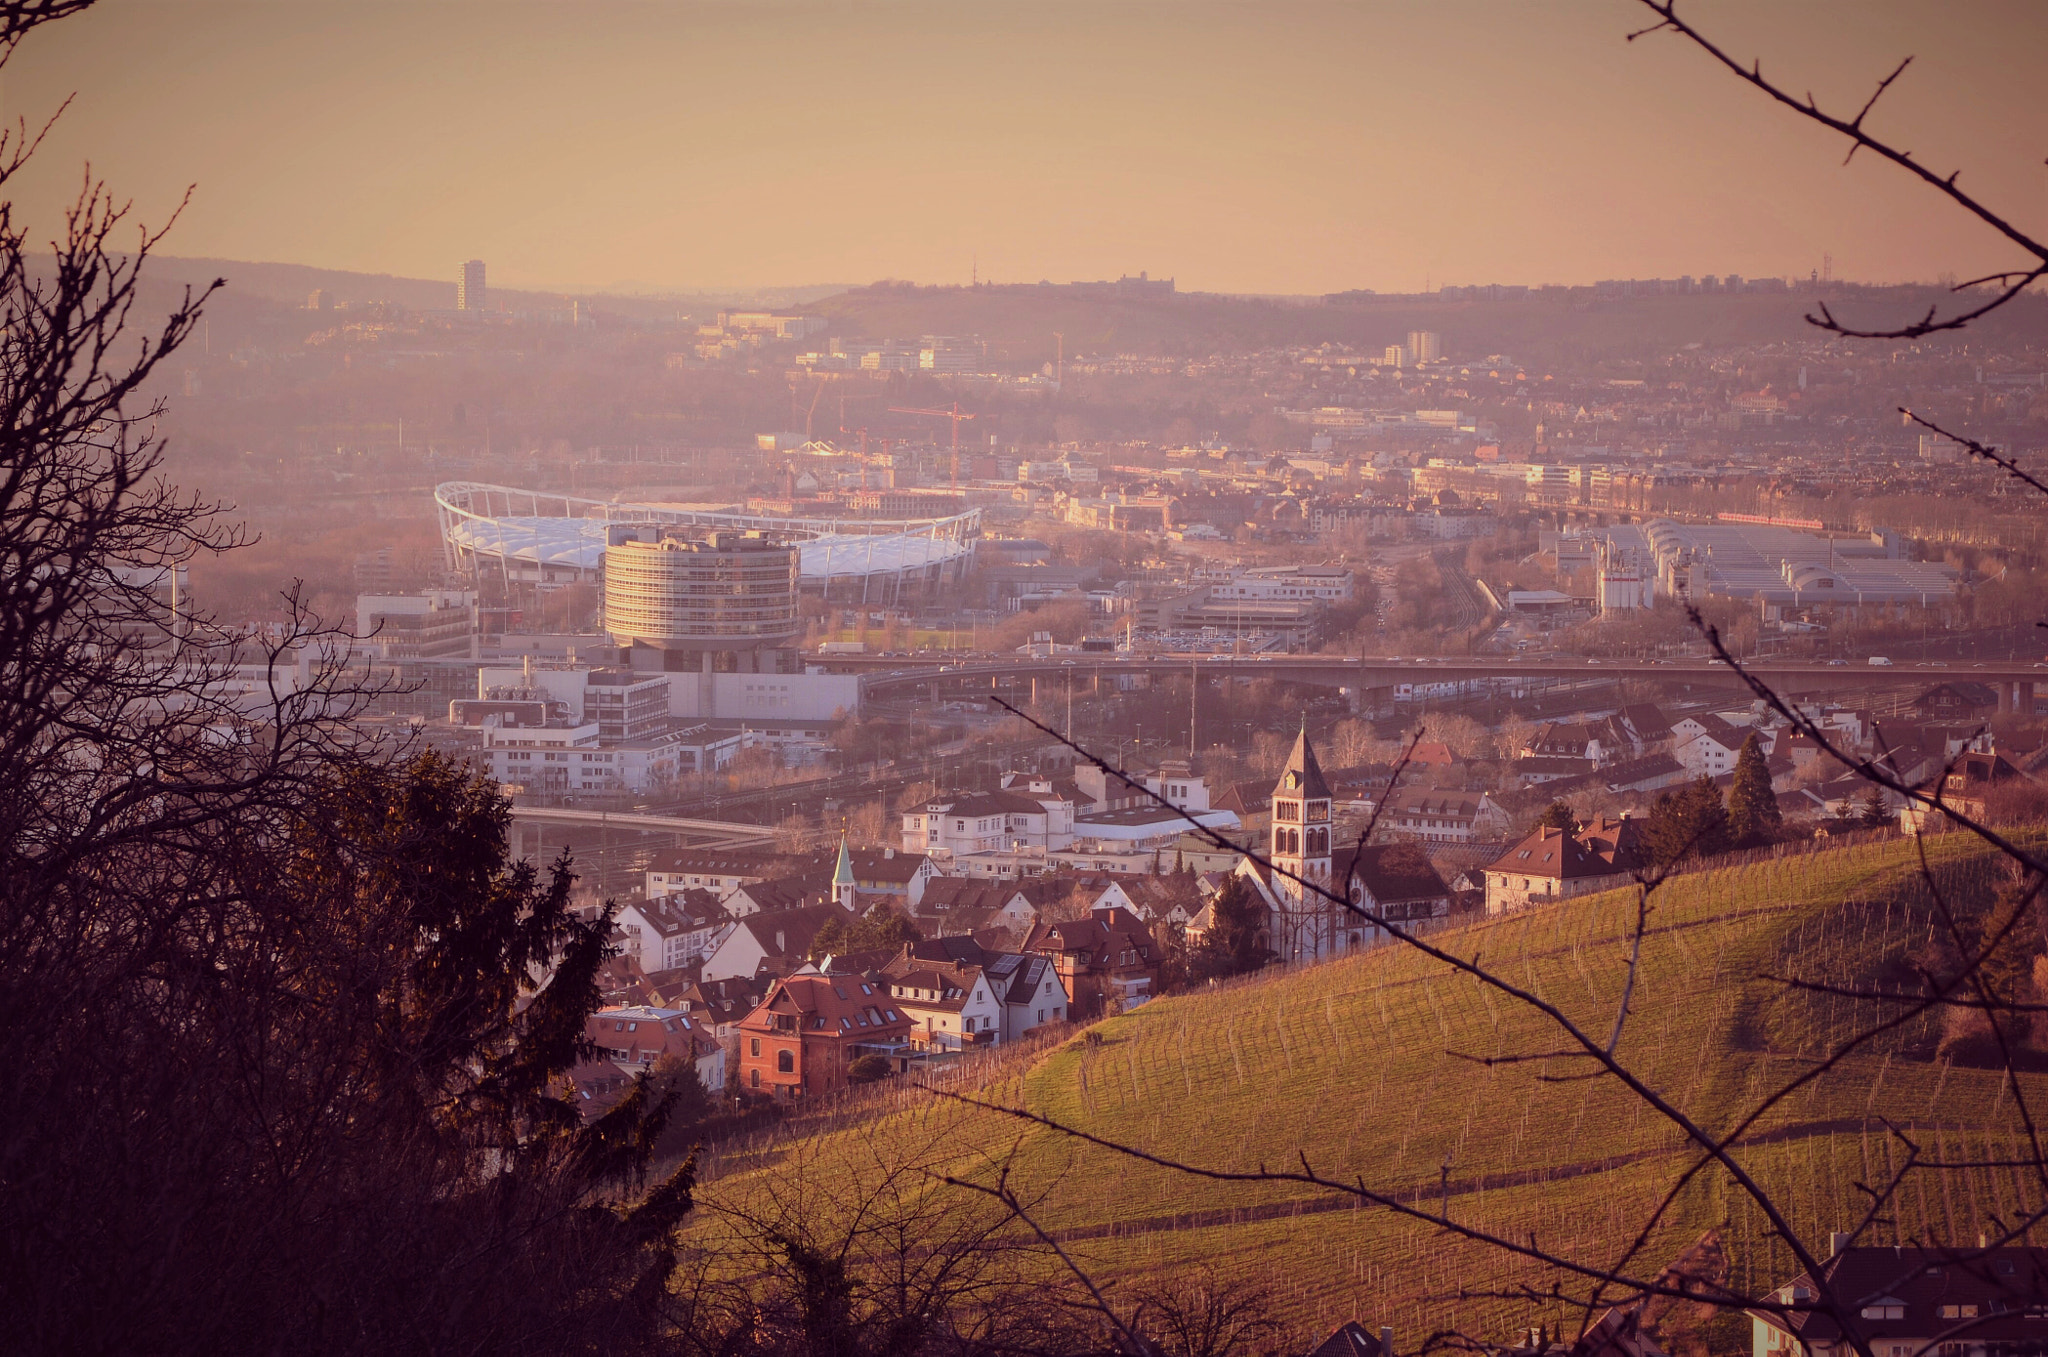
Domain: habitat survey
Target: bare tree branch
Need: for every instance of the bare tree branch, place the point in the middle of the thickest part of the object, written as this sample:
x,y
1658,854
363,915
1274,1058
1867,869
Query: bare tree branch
x,y
1669,20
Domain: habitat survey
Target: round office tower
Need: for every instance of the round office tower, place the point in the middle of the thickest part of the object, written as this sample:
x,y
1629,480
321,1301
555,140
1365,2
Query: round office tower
x,y
724,602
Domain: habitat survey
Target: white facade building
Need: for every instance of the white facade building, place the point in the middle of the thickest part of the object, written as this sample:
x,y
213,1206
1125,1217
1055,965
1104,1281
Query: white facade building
x,y
985,822
1330,584
562,759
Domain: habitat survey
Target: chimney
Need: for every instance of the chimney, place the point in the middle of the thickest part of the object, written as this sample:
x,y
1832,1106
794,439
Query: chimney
x,y
1386,1340
1837,1242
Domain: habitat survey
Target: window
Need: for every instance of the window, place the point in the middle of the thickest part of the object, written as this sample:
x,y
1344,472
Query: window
x,y
754,1076
785,1062
1884,1310
1958,1312
755,1046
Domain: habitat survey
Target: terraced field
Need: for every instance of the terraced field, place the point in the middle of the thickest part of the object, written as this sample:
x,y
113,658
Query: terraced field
x,y
1365,1066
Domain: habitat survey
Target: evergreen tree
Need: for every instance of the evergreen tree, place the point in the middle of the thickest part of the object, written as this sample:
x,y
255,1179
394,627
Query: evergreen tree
x,y
1691,823
831,939
1232,945
1557,815
883,928
1753,815
1875,815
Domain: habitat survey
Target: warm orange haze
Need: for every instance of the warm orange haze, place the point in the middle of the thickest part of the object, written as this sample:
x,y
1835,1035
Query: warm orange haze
x,y
1280,147
1023,680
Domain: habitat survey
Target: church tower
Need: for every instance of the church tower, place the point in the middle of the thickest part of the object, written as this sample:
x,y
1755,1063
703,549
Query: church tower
x,y
1301,824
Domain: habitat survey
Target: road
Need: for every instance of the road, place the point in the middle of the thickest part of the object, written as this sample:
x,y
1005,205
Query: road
x,y
902,675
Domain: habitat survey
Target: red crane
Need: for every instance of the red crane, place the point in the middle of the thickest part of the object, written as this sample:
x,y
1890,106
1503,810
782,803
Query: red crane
x,y
952,414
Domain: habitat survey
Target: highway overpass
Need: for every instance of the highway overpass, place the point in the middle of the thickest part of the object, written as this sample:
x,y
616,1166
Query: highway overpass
x,y
1377,677
688,832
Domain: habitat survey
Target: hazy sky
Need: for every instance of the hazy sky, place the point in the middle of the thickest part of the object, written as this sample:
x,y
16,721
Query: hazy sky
x,y
1269,147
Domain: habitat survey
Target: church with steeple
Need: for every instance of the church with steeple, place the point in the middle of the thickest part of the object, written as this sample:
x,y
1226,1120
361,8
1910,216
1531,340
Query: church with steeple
x,y
1300,837
1298,849
1306,866
845,888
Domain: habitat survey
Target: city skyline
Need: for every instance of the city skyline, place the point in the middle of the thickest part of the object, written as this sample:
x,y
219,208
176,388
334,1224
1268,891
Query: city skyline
x,y
1292,149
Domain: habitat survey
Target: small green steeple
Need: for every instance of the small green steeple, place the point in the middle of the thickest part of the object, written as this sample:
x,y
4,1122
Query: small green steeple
x,y
842,875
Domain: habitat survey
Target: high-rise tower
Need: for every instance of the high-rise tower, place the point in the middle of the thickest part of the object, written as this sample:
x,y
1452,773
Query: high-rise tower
x,y
469,289
723,603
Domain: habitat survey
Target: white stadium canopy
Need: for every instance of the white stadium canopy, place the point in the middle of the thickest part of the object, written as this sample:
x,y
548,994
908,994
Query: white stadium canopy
x,y
554,538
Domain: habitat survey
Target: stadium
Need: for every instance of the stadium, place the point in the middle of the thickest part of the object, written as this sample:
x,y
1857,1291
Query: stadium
x,y
537,540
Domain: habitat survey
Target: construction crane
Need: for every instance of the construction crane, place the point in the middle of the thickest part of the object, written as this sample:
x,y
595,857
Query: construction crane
x,y
952,414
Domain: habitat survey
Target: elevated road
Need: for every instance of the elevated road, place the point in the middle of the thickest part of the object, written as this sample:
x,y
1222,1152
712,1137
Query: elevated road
x,y
701,833
898,676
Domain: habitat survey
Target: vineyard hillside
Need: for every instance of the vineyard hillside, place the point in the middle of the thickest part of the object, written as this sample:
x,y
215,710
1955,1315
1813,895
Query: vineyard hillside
x,y
1374,1068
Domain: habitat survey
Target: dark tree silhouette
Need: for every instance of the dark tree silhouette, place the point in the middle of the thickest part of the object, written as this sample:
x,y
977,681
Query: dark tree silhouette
x,y
1753,815
283,1037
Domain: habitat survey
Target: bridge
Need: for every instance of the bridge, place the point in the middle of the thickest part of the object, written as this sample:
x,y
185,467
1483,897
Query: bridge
x,y
689,832
1360,676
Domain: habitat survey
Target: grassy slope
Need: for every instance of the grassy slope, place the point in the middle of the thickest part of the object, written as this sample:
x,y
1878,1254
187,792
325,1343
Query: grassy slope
x,y
1350,1063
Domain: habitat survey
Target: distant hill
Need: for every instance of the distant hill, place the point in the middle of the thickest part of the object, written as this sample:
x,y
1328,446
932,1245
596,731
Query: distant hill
x,y
293,283
1352,1063
1019,322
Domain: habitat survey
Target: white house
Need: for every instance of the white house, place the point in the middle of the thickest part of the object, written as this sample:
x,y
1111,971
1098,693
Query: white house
x,y
1178,784
1711,753
982,822
670,931
706,869
961,995
769,939
1445,817
950,1006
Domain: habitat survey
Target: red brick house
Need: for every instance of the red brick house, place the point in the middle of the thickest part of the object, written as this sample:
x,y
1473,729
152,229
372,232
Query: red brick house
x,y
1107,961
810,1028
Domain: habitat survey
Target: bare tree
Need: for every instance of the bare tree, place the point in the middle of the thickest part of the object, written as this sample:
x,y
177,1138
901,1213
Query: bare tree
x,y
1973,974
2005,285
284,1039
848,1249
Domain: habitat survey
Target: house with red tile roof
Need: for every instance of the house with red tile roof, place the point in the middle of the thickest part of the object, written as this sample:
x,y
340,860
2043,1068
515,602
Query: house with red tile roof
x,y
1556,864
637,1035
810,1028
1105,962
